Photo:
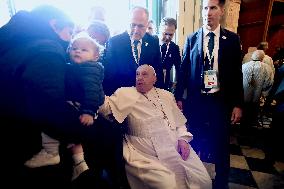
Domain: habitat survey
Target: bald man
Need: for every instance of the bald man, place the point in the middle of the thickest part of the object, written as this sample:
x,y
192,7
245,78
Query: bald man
x,y
124,53
130,49
155,148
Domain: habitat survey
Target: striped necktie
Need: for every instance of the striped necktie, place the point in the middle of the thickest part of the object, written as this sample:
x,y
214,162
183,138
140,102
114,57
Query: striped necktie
x,y
135,44
209,63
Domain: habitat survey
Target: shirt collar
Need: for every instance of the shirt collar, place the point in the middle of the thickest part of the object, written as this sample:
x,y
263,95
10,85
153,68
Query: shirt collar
x,y
133,40
216,31
138,40
151,92
166,43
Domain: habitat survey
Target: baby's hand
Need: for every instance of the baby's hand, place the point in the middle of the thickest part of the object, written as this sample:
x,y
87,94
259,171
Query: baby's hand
x,y
86,119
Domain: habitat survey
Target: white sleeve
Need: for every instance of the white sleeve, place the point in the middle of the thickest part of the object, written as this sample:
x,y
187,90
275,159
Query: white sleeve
x,y
180,122
120,104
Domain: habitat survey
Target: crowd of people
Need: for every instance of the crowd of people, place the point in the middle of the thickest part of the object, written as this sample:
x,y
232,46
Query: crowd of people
x,y
109,108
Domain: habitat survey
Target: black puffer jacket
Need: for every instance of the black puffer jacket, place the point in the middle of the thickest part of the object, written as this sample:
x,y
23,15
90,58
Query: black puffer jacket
x,y
32,74
84,85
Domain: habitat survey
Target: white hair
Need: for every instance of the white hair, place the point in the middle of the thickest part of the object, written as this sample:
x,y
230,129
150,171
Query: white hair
x,y
85,35
151,67
258,55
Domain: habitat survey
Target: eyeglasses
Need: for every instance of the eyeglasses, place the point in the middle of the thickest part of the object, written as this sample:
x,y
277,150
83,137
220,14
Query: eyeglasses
x,y
169,34
140,26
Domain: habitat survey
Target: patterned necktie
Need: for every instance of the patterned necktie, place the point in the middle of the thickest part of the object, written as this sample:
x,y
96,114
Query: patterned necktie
x,y
209,63
135,43
211,42
209,59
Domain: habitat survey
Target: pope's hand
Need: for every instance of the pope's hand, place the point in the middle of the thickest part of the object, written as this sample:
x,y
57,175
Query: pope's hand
x,y
179,104
183,149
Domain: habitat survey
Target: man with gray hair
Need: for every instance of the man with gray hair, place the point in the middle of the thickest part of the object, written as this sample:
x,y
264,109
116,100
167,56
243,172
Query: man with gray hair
x,y
170,51
126,51
151,29
257,82
99,31
267,59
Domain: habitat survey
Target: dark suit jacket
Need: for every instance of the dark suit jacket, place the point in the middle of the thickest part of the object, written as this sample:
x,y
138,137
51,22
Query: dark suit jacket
x,y
229,66
172,57
120,66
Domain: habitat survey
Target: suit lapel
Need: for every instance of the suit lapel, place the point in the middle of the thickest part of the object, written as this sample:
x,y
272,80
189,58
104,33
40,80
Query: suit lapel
x,y
166,52
143,49
222,46
128,47
200,46
170,51
127,44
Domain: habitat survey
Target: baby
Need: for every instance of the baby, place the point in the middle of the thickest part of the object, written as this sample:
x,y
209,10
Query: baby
x,y
84,91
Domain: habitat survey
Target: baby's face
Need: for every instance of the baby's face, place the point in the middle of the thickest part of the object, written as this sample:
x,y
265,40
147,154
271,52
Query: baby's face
x,y
83,50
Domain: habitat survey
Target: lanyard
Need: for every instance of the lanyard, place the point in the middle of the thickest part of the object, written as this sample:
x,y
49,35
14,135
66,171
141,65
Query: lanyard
x,y
168,46
210,57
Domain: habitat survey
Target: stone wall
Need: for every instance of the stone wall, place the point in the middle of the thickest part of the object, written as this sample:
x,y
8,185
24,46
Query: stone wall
x,y
231,16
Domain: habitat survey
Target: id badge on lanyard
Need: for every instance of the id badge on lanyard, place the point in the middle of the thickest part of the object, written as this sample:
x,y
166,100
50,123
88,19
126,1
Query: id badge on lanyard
x,y
210,79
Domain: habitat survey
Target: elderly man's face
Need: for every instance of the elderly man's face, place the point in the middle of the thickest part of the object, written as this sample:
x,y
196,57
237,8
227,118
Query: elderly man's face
x,y
151,28
138,24
145,78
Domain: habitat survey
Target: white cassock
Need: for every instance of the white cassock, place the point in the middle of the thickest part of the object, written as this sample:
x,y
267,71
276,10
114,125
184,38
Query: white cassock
x,y
150,146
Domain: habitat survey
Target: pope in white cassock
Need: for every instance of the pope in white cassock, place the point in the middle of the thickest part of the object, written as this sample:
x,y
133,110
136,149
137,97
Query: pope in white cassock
x,y
155,147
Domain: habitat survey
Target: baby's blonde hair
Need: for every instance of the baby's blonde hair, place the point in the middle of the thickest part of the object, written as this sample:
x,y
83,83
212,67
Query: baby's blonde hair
x,y
85,35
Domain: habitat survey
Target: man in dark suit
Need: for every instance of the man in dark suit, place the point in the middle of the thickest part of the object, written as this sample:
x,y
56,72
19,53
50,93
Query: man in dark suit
x,y
124,53
123,56
212,74
170,51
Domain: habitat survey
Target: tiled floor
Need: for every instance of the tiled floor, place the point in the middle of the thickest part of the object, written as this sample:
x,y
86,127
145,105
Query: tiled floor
x,y
249,167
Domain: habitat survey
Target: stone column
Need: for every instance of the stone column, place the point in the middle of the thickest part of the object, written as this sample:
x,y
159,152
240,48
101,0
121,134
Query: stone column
x,y
231,15
189,19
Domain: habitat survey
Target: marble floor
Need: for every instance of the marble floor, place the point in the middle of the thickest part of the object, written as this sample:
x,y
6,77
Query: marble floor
x,y
249,167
